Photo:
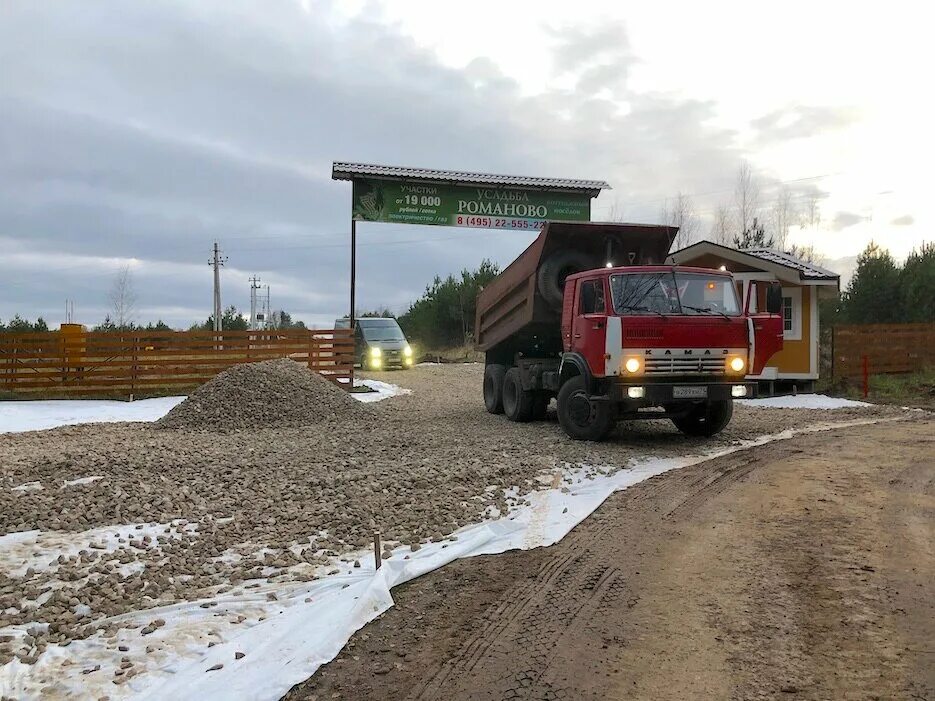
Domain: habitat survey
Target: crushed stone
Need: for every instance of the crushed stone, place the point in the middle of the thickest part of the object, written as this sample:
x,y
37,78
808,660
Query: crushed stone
x,y
273,393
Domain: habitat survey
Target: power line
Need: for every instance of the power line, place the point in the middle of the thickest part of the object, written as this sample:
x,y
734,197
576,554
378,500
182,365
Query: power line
x,y
646,203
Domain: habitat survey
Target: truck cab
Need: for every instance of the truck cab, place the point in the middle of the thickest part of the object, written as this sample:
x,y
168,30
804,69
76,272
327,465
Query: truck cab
x,y
617,342
658,337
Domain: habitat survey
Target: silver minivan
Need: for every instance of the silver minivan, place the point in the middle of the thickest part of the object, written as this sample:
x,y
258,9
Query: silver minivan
x,y
379,343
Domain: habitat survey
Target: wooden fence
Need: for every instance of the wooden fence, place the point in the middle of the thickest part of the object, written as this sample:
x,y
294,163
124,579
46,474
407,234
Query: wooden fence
x,y
154,362
890,348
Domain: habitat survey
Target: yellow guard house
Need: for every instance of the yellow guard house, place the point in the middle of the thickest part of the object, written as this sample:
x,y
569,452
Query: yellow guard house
x,y
802,284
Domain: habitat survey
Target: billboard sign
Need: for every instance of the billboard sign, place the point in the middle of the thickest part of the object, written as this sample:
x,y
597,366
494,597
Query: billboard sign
x,y
407,202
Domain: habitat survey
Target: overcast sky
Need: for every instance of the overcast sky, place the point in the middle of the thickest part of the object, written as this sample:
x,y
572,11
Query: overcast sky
x,y
140,132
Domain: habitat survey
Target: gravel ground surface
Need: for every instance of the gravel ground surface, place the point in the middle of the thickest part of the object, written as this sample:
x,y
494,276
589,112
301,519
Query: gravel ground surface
x,y
209,511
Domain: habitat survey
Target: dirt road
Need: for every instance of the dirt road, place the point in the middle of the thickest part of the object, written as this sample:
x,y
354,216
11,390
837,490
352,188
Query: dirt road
x,y
801,569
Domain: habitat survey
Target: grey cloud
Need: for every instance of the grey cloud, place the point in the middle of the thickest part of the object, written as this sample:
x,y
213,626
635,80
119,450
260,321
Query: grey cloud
x,y
599,58
842,220
220,121
904,220
802,121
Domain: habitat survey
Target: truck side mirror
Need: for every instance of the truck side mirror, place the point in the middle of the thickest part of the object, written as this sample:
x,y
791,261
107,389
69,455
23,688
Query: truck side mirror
x,y
774,298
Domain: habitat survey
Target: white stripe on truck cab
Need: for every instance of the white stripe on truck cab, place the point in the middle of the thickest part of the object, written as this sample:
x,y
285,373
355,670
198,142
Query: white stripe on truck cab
x,y
613,346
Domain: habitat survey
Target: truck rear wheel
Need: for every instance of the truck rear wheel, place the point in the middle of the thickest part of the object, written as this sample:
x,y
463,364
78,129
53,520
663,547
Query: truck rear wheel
x,y
581,418
517,402
493,388
706,419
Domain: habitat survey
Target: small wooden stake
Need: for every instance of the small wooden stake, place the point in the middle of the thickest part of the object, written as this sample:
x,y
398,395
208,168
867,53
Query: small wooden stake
x,y
377,557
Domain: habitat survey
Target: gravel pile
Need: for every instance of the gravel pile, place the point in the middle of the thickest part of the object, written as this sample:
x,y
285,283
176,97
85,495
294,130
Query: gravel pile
x,y
273,393
279,501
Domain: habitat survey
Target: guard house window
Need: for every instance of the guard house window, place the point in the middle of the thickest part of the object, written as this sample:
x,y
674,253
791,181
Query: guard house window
x,y
592,297
792,314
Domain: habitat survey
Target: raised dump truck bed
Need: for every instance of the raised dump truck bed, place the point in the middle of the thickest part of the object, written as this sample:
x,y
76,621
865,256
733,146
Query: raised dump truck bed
x,y
520,310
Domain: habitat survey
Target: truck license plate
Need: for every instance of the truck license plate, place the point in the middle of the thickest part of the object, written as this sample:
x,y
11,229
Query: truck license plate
x,y
689,392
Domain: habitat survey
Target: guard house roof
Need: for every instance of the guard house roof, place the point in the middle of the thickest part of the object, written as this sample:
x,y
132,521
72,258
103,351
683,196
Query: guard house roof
x,y
806,269
352,171
780,263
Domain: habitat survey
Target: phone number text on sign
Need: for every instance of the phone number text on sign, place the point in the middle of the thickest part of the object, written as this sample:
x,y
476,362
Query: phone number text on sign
x,y
497,222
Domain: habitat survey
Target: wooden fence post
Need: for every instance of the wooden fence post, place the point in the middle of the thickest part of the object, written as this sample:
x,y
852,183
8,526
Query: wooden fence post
x,y
866,374
135,371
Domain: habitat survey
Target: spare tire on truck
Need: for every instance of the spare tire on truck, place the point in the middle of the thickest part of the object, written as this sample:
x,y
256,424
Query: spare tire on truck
x,y
554,270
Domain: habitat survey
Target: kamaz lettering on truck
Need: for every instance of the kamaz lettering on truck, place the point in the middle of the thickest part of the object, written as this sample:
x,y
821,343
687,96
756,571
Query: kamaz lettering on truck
x,y
589,315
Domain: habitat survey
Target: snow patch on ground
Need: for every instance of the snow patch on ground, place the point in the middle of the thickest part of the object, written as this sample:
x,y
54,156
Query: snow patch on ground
x,y
28,415
381,391
82,480
261,646
803,401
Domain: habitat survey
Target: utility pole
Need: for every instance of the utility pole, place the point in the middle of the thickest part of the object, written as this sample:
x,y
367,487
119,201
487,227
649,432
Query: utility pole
x,y
266,319
254,286
217,262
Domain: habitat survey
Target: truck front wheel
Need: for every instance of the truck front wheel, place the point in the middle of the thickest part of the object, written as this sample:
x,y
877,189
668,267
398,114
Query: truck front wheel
x,y
706,419
580,417
493,388
517,402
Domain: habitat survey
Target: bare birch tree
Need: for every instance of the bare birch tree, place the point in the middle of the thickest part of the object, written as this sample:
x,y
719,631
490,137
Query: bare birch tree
x,y
746,197
123,298
680,212
806,253
783,214
615,212
810,214
721,226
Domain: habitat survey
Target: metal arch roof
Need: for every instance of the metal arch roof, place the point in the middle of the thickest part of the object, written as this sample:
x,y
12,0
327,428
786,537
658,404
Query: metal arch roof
x,y
349,171
807,270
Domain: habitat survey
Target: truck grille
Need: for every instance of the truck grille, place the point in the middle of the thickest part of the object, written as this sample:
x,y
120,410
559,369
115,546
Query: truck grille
x,y
672,365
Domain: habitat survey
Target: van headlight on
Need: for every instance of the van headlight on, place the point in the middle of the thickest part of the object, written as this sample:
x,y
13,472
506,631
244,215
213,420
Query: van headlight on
x,y
632,365
375,352
736,364
407,351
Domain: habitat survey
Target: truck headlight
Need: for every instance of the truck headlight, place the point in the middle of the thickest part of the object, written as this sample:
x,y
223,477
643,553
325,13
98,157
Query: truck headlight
x,y
407,351
636,392
632,365
375,352
738,391
737,364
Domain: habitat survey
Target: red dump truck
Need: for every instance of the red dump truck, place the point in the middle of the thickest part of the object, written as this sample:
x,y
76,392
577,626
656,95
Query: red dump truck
x,y
589,314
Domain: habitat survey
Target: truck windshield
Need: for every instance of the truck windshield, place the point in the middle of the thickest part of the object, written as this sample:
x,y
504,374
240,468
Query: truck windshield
x,y
673,293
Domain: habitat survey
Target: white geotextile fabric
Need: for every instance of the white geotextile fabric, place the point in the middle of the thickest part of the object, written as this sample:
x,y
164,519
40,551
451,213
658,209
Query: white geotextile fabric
x,y
38,415
308,623
381,391
803,401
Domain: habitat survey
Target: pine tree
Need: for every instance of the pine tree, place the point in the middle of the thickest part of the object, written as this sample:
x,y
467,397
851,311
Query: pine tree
x,y
917,285
754,236
873,294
